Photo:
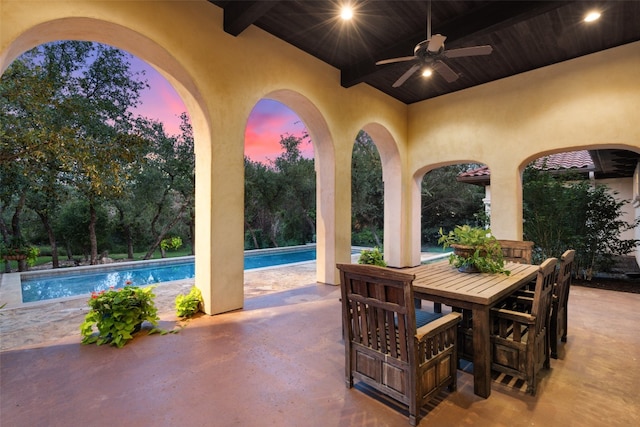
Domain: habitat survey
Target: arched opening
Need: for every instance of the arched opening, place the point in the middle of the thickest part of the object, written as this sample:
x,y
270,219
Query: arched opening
x,y
324,161
394,225
166,64
89,159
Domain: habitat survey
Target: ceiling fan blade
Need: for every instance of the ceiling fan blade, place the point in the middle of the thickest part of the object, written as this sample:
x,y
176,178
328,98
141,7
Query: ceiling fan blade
x,y
436,43
394,60
445,71
468,51
403,78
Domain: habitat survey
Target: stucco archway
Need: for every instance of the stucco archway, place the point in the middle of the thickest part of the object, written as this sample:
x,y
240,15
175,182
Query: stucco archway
x,y
416,194
146,49
394,254
324,154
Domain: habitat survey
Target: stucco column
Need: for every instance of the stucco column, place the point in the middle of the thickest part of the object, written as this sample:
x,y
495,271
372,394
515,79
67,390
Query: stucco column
x,y
506,201
415,229
394,209
339,233
220,215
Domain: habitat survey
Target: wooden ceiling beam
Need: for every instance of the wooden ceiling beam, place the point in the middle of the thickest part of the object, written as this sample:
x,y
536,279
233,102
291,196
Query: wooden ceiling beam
x,y
239,15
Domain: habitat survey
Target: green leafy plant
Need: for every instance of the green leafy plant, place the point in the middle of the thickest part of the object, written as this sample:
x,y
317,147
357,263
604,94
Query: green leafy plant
x,y
18,249
475,249
188,305
171,243
117,314
372,256
583,217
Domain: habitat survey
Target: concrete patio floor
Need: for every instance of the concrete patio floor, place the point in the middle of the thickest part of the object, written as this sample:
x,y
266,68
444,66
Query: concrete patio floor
x,y
280,362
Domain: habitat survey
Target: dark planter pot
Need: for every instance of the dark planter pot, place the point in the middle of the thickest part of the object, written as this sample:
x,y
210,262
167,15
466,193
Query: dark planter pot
x,y
464,251
14,257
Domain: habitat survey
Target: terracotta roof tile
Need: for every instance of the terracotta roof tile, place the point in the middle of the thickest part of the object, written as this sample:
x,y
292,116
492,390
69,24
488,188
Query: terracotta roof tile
x,y
569,160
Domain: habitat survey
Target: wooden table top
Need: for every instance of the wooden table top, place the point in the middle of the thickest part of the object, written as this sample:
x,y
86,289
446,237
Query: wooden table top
x,y
441,279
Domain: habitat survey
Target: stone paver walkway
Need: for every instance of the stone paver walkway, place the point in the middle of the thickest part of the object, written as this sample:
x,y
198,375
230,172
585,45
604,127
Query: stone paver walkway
x,y
35,324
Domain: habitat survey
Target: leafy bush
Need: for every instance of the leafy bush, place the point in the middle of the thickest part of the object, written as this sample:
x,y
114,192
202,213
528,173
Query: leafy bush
x,y
372,257
188,305
171,243
117,314
568,212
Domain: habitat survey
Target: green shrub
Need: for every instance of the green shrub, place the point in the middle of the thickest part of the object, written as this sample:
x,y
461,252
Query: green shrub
x,y
372,256
117,314
171,243
188,305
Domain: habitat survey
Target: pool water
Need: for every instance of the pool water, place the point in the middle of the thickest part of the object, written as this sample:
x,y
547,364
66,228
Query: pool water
x,y
65,285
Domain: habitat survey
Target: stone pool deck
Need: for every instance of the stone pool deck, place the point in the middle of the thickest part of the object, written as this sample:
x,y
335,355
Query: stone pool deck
x,y
35,324
39,323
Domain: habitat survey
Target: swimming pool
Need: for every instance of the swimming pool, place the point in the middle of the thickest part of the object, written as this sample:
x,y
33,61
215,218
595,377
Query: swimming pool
x,y
80,281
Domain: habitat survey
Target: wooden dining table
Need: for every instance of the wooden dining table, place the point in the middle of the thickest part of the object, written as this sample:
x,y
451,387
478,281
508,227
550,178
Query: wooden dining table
x,y
442,283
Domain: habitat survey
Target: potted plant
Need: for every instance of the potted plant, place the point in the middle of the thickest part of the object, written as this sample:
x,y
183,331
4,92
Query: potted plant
x,y
117,314
372,256
188,305
475,249
18,250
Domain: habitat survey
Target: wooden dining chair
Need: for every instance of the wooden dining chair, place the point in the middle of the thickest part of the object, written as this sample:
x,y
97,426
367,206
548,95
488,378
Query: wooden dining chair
x,y
520,251
559,303
383,347
520,339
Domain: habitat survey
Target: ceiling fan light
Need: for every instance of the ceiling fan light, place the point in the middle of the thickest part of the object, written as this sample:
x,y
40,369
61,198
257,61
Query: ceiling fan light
x,y
592,16
346,13
427,72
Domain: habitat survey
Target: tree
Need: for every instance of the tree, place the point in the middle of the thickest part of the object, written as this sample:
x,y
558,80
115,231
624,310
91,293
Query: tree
x,y
563,212
280,198
367,192
67,105
447,202
297,192
171,169
30,130
261,204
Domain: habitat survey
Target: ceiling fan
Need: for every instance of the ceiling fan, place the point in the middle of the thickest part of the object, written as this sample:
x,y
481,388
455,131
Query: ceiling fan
x,y
428,55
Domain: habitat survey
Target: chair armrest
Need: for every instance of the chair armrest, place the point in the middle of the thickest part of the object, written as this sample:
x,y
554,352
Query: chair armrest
x,y
520,299
515,316
437,326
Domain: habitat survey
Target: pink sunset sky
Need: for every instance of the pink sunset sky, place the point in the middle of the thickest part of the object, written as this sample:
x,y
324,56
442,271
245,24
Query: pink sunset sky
x,y
268,121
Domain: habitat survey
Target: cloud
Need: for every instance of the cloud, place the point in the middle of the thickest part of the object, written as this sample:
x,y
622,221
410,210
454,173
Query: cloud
x,y
268,122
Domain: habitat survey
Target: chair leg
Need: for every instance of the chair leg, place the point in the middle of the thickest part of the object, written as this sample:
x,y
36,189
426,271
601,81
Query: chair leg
x,y
437,307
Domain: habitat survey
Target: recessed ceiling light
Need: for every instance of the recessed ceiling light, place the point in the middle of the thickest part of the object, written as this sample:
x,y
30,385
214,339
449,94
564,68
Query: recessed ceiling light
x,y
592,16
346,13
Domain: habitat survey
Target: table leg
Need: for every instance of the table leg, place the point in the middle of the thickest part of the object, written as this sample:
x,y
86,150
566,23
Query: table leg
x,y
481,352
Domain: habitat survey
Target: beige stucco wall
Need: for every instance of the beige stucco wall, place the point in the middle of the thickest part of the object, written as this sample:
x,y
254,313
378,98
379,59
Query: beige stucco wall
x,y
589,101
221,78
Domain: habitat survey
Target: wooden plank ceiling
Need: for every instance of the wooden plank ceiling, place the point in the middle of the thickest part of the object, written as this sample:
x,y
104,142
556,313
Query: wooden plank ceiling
x,y
524,35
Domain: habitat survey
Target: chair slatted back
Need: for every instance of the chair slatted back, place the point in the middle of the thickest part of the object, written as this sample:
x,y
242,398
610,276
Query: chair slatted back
x,y
541,307
520,251
559,311
379,316
383,348
563,283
